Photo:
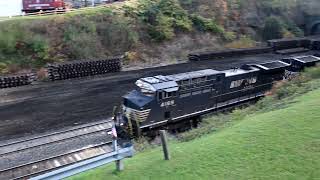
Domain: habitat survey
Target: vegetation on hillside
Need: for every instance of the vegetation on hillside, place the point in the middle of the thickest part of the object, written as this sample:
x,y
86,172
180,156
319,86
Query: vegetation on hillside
x,y
133,27
278,140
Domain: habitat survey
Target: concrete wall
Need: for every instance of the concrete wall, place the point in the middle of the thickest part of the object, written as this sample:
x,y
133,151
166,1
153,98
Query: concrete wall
x,y
10,7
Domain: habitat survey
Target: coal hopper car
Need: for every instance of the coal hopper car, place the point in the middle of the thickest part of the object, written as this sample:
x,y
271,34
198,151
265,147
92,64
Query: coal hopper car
x,y
162,100
298,63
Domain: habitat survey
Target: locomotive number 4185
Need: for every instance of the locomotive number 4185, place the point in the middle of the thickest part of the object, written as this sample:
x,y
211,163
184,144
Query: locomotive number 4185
x,y
168,103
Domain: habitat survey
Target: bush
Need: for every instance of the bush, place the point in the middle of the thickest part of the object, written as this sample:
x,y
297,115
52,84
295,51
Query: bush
x,y
163,30
80,39
25,49
272,29
313,72
294,29
205,24
163,18
229,36
3,67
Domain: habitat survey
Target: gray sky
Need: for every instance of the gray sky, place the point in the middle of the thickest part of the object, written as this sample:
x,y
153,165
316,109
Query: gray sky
x,y
10,7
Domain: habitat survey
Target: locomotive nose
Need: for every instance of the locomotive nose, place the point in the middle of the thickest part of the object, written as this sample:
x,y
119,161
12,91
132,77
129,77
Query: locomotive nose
x,y
135,100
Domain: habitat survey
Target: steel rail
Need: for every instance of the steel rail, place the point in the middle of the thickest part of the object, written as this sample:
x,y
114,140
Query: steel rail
x,y
55,133
54,141
48,159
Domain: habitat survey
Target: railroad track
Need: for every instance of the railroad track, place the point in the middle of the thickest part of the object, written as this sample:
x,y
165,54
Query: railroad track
x,y
25,171
37,165
34,142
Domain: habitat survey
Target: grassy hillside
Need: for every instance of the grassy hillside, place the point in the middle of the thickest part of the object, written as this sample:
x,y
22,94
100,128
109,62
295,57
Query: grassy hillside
x,y
280,144
147,31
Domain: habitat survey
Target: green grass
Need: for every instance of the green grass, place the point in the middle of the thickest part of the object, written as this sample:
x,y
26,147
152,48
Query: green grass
x,y
281,144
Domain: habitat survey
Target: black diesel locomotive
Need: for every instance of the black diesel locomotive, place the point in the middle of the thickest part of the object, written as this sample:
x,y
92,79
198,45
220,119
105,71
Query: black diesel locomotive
x,y
162,100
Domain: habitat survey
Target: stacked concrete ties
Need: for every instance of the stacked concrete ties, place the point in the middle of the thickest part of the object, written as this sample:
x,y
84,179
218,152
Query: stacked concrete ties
x,y
17,80
78,69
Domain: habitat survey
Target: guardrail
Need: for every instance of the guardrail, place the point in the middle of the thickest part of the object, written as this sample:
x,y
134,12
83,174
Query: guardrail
x,y
115,156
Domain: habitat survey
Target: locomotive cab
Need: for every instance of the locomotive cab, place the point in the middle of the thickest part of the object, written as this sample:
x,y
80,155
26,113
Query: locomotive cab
x,y
152,93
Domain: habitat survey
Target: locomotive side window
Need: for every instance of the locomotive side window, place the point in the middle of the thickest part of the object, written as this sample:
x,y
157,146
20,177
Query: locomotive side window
x,y
165,95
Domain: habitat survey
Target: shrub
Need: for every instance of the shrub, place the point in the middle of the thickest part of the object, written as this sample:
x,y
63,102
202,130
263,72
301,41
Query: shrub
x,y
229,36
313,73
80,39
287,34
163,18
117,35
40,49
294,29
131,56
272,29
205,24
3,67
163,30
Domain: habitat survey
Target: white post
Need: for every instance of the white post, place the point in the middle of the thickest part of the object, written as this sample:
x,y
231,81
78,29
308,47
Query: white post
x,y
115,145
119,163
92,3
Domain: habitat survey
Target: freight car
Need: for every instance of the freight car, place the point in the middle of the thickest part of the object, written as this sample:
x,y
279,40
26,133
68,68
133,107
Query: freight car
x,y
169,100
44,5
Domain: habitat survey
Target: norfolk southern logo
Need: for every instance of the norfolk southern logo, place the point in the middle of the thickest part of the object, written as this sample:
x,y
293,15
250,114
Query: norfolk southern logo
x,y
168,103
